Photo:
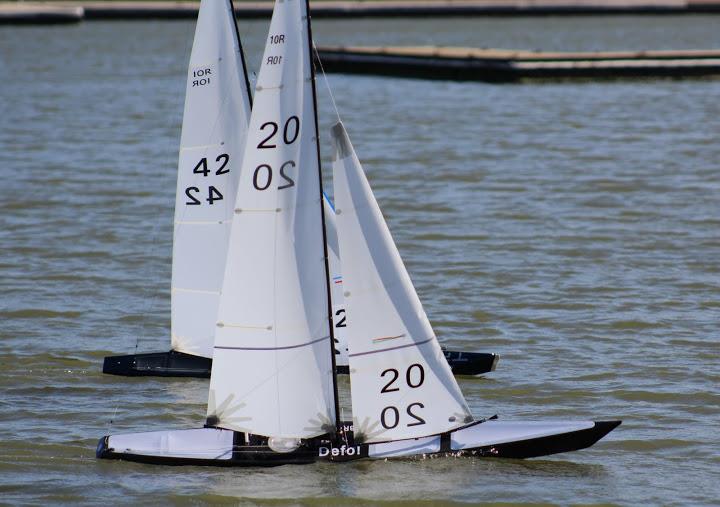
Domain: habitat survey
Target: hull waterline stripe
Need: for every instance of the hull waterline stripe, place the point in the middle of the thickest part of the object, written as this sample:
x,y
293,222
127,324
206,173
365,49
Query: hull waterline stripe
x,y
273,348
417,344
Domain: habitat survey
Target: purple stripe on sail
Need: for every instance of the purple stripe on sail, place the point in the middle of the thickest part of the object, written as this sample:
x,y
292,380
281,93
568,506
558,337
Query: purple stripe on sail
x,y
274,348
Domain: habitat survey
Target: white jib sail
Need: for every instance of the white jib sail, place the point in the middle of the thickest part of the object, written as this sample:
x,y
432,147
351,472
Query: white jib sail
x,y
272,372
401,384
217,109
336,285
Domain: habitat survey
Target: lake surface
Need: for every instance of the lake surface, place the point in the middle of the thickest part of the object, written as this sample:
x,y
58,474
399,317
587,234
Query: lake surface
x,y
572,227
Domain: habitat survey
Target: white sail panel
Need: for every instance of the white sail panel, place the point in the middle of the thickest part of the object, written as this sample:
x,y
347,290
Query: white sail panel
x,y
272,373
217,108
336,285
401,384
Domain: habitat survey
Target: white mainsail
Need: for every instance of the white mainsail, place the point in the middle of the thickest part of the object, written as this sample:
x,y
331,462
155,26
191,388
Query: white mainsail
x,y
272,372
217,108
401,384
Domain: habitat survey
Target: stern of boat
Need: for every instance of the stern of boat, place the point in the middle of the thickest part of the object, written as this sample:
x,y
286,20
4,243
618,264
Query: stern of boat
x,y
527,439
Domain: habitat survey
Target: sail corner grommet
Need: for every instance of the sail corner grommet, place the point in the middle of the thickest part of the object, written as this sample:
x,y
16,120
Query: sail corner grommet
x,y
220,324
237,211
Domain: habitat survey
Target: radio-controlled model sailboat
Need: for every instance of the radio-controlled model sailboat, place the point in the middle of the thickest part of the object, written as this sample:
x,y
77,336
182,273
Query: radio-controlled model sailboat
x,y
273,396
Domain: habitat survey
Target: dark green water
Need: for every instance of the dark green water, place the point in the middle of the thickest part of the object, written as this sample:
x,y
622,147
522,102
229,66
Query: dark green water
x,y
572,227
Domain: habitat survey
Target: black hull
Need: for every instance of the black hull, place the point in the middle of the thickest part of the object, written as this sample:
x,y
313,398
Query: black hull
x,y
323,449
158,364
546,446
471,363
179,364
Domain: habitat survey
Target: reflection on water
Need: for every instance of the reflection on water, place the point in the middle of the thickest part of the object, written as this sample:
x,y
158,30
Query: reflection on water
x,y
571,227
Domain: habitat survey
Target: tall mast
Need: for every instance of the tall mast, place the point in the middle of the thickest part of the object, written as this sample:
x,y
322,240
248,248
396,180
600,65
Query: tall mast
x,y
322,217
242,53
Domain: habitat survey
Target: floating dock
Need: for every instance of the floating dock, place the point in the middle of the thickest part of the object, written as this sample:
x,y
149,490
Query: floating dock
x,y
39,14
496,65
409,8
66,11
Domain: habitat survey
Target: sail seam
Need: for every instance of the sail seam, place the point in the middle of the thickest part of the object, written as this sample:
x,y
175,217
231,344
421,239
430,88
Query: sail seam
x,y
198,291
258,210
202,222
266,88
241,326
273,348
416,344
198,146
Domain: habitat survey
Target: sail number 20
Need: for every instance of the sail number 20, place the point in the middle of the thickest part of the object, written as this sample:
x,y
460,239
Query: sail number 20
x,y
414,378
263,175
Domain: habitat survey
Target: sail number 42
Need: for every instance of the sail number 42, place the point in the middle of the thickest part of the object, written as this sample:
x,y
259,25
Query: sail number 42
x,y
414,378
193,193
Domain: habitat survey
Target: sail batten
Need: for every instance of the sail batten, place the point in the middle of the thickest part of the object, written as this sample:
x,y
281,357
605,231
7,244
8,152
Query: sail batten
x,y
414,344
215,119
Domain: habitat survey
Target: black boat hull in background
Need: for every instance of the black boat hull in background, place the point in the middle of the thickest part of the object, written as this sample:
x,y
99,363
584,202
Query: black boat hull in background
x,y
158,364
179,364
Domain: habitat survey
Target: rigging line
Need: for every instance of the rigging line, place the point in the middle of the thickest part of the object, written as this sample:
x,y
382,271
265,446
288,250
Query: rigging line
x,y
110,422
325,79
155,233
187,48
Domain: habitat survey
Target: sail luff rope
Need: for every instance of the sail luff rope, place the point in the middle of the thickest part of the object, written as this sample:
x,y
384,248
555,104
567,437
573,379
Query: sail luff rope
x,y
330,320
156,228
155,235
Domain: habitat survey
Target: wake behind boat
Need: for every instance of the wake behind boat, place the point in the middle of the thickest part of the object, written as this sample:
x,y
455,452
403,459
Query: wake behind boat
x,y
214,131
273,395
